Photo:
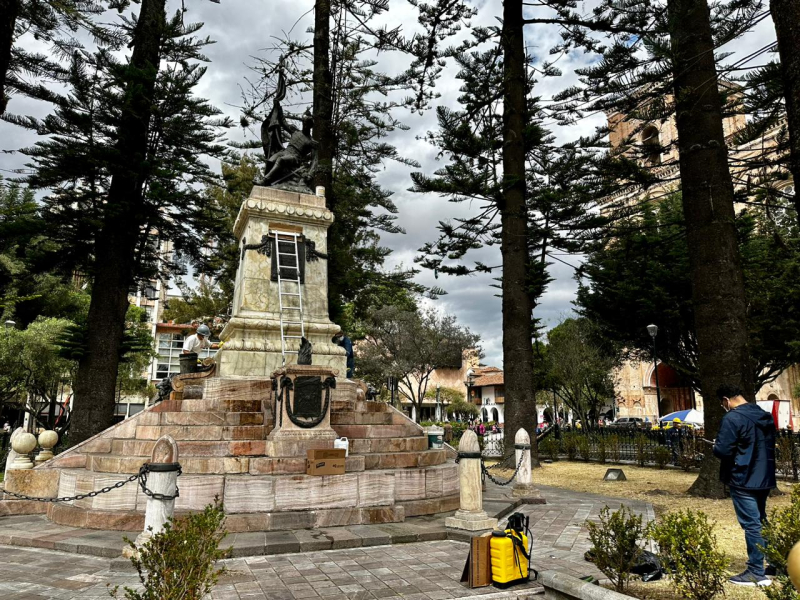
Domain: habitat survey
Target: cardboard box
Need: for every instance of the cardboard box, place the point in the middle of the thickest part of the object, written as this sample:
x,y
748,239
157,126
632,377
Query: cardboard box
x,y
478,570
325,462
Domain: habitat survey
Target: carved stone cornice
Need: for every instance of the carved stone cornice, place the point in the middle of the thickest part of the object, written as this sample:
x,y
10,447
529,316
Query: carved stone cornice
x,y
291,207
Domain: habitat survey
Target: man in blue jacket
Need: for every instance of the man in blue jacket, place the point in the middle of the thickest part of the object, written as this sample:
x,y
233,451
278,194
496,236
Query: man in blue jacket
x,y
746,446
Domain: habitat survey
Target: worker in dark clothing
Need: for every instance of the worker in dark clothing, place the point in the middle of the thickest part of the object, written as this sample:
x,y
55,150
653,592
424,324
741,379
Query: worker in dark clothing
x,y
340,339
675,437
746,446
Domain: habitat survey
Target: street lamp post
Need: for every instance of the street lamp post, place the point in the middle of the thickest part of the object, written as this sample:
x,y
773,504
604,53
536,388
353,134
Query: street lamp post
x,y
653,331
438,404
469,383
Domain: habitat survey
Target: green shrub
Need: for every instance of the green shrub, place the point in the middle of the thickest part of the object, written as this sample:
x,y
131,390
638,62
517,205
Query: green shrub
x,y
178,562
550,447
640,441
615,544
688,546
781,532
584,447
571,445
661,456
614,447
458,431
602,452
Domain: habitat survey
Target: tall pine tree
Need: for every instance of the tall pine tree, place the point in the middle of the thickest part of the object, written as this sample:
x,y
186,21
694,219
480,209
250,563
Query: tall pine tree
x,y
125,160
660,60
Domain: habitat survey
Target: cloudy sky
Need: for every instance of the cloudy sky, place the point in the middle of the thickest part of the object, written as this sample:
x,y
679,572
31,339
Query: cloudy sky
x,y
244,29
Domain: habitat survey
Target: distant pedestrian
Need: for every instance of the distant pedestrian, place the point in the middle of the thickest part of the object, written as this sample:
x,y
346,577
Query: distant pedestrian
x,y
745,446
481,429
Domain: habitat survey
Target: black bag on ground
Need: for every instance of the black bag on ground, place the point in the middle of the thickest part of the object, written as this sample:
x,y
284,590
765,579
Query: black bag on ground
x,y
648,567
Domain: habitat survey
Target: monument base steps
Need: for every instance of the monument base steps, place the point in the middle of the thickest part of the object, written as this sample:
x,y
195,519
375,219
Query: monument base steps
x,y
221,427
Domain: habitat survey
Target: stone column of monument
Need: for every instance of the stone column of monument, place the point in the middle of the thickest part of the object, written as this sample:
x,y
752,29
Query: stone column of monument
x,y
162,479
251,339
523,481
470,515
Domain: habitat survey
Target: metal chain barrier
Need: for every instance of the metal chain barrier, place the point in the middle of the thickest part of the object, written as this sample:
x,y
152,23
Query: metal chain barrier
x,y
485,470
141,476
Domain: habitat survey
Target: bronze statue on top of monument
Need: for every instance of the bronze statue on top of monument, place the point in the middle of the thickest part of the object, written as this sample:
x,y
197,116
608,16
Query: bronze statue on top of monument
x,y
288,167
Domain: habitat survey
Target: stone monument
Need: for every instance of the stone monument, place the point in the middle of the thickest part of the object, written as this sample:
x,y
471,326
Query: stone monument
x,y
278,389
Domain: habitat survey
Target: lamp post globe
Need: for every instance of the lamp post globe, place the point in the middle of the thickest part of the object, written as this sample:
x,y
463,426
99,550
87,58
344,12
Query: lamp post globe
x,y
652,330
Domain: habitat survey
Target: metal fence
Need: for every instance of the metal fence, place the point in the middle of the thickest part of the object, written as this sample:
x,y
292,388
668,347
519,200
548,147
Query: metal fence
x,y
680,448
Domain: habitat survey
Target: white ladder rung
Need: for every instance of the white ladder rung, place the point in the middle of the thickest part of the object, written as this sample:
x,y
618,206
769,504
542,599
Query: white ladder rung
x,y
294,269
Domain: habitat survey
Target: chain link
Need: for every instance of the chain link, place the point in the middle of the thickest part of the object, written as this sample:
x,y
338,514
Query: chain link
x,y
141,476
486,472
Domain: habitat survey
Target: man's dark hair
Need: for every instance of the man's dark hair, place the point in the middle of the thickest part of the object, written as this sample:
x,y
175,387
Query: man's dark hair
x,y
728,390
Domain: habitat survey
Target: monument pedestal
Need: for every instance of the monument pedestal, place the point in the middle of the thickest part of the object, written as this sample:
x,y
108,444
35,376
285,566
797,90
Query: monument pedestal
x,y
252,338
303,419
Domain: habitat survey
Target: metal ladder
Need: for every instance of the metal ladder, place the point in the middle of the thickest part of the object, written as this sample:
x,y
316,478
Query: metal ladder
x,y
289,314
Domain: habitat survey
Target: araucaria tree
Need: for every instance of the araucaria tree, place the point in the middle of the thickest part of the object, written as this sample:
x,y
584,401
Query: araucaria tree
x,y
665,54
530,194
124,158
410,345
55,22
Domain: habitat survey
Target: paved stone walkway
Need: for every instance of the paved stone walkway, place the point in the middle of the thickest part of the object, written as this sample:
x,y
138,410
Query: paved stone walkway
x,y
420,570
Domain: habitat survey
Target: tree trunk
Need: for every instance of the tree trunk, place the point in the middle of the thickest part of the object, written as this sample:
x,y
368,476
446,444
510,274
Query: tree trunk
x,y
717,280
323,134
323,98
113,273
9,11
520,409
786,15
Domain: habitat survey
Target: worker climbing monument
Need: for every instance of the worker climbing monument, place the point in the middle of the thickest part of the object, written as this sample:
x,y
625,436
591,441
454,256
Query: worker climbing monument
x,y
244,427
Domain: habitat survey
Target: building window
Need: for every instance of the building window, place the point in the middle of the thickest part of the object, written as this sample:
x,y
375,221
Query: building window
x,y
170,346
651,145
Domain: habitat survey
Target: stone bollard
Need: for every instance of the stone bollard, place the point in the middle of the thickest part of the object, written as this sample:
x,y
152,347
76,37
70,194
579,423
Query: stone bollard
x,y
161,479
12,454
23,444
47,440
470,515
523,481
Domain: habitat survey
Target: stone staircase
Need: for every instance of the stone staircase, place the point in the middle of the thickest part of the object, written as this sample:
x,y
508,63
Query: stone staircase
x,y
221,426
385,437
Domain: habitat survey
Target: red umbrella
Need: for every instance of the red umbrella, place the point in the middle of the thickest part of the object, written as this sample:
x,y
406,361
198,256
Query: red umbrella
x,y
775,408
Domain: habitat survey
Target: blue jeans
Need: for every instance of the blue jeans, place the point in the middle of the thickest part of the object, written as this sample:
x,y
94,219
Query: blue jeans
x,y
751,510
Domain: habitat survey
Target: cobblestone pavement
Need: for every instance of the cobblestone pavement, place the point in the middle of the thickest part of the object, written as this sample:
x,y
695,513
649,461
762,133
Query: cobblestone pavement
x,y
420,571
425,570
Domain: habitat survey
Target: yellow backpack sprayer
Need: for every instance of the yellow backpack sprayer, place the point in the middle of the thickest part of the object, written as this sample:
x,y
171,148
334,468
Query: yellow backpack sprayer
x,y
511,552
